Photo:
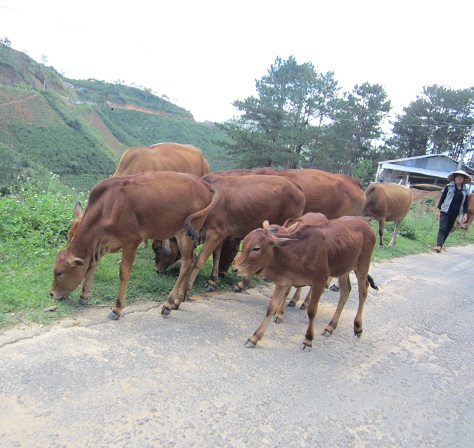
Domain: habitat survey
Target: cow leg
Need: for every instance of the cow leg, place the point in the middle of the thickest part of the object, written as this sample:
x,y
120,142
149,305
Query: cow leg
x,y
315,291
244,284
209,246
381,230
296,297
363,285
345,285
305,303
178,293
395,233
128,256
278,319
277,298
86,287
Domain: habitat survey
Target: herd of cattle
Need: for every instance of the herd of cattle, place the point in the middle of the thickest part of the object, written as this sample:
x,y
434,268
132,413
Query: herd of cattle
x,y
297,227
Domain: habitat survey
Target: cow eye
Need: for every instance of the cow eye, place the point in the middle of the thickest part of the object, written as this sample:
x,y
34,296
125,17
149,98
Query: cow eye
x,y
57,273
256,249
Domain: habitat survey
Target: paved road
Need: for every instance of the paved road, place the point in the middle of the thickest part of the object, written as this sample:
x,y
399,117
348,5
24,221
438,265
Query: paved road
x,y
188,381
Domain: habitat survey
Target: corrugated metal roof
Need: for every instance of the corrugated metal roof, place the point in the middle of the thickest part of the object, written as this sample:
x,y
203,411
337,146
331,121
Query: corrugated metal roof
x,y
411,169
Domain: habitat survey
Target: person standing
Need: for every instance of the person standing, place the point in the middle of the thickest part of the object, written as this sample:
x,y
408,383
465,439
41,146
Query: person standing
x,y
453,203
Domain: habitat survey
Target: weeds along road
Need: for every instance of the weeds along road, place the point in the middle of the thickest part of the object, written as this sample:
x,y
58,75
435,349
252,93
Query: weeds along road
x,y
188,381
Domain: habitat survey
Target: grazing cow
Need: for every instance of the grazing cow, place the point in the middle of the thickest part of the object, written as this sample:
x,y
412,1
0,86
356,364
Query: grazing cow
x,y
125,210
244,203
309,256
167,156
470,211
387,202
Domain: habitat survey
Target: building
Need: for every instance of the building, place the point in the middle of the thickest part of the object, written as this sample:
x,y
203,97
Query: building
x,y
430,169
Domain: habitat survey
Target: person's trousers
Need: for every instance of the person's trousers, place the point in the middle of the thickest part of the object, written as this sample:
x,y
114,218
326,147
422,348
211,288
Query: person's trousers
x,y
446,223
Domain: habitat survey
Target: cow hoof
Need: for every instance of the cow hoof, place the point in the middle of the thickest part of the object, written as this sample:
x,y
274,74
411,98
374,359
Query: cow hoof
x,y
249,344
358,335
210,288
326,333
303,307
165,312
83,302
291,304
113,316
237,288
277,320
307,346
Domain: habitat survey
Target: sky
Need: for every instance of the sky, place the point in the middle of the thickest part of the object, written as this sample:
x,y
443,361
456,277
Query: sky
x,y
206,54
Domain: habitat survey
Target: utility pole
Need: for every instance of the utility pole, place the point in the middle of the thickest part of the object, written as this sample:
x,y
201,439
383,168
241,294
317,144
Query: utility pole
x,y
466,147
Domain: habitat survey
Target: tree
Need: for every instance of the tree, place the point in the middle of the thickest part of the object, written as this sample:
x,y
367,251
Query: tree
x,y
279,126
437,122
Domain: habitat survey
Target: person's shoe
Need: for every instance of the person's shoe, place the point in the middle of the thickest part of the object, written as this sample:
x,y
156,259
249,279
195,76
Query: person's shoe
x,y
437,249
444,249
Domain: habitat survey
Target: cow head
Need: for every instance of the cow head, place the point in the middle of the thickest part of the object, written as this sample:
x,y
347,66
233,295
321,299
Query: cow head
x,y
165,256
257,251
69,271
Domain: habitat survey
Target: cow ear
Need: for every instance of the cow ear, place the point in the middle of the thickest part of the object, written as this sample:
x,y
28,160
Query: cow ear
x,y
283,241
78,210
75,261
266,224
166,247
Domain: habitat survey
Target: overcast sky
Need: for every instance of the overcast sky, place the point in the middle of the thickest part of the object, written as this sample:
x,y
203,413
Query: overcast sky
x,y
205,54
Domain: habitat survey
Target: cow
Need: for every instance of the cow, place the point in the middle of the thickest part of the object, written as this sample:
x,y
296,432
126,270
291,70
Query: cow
x,y
244,203
387,202
309,256
168,156
334,195
470,211
125,210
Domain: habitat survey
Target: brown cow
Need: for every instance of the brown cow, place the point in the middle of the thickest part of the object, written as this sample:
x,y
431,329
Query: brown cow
x,y
244,203
167,156
387,202
308,257
123,211
470,211
334,195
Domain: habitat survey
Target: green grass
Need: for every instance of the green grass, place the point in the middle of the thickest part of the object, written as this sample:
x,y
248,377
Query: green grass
x,y
34,226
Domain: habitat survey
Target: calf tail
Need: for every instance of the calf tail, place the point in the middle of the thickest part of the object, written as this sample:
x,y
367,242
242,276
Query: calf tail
x,y
195,221
372,283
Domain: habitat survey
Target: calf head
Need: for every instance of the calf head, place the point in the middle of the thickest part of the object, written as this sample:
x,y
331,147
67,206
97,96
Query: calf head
x,y
257,250
165,257
69,272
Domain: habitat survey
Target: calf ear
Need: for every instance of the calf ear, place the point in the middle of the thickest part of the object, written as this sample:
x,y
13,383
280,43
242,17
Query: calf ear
x,y
75,261
278,240
292,228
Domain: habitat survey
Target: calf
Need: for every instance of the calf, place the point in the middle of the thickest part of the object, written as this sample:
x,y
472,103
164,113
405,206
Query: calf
x,y
309,256
387,202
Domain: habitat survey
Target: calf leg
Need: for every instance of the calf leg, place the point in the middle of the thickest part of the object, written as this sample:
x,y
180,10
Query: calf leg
x,y
278,319
178,293
363,285
345,285
316,291
277,298
86,287
128,256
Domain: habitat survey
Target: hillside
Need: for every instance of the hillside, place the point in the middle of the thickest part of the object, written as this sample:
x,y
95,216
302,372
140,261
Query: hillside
x,y
78,129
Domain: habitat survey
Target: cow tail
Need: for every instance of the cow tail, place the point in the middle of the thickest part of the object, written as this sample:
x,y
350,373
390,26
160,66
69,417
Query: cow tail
x,y
195,221
372,283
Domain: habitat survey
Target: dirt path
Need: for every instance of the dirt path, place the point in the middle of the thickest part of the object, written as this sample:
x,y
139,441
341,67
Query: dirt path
x,y
188,381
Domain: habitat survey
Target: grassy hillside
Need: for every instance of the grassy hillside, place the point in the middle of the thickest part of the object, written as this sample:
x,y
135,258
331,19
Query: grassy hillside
x,y
78,129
